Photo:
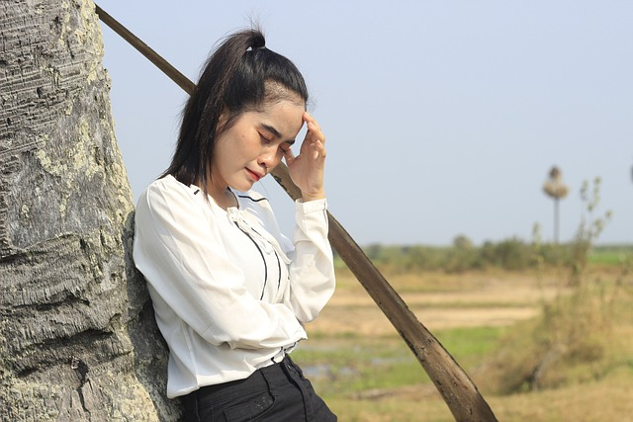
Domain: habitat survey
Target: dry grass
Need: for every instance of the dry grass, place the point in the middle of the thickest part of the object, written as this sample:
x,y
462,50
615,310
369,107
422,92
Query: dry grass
x,y
595,392
439,301
606,400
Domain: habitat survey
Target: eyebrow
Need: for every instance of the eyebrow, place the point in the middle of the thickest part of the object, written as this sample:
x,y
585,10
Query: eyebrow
x,y
275,133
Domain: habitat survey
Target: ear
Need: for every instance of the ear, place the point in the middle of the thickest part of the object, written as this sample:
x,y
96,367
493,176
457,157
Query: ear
x,y
222,120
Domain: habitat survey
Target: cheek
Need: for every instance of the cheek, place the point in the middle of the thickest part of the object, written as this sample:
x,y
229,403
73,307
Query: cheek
x,y
224,153
250,145
236,149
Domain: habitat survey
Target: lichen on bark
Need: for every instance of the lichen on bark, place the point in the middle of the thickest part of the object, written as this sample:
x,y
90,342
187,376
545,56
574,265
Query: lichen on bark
x,y
77,336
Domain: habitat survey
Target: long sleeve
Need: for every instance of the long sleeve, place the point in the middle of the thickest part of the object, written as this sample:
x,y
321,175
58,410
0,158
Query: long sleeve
x,y
312,280
181,253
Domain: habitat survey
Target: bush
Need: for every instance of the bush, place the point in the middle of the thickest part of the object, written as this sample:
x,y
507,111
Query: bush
x,y
511,254
573,340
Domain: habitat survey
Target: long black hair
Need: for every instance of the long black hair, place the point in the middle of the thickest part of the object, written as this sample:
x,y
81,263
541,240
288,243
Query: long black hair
x,y
241,75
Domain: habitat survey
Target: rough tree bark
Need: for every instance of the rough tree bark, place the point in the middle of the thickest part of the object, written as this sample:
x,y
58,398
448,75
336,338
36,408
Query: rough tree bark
x,y
77,336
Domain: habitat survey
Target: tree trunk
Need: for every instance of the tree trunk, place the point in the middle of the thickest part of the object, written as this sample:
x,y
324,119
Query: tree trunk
x,y
78,340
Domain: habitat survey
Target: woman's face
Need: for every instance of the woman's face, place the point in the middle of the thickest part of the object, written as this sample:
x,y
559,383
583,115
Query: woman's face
x,y
254,145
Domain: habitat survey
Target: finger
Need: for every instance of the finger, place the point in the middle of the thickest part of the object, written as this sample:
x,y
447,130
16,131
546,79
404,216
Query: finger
x,y
308,142
321,148
307,117
318,150
289,156
314,130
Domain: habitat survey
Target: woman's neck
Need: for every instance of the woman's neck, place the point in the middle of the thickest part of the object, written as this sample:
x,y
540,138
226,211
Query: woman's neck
x,y
223,197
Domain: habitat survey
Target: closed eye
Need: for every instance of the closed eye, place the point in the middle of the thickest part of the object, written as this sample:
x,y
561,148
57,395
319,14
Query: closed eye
x,y
285,147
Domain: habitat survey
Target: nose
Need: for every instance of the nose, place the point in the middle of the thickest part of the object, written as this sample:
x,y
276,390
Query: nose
x,y
269,158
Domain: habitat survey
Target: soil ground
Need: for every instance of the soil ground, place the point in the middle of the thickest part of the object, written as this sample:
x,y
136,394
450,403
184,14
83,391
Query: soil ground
x,y
485,300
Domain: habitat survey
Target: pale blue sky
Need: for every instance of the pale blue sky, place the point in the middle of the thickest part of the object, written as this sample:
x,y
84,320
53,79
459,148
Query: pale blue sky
x,y
442,117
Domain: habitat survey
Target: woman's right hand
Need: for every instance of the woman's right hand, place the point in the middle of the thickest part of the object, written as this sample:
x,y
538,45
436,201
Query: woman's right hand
x,y
308,167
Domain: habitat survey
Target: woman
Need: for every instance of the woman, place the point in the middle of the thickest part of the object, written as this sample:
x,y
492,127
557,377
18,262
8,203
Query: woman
x,y
230,292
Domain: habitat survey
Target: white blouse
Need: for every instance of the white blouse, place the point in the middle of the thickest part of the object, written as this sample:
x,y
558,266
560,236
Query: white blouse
x,y
229,291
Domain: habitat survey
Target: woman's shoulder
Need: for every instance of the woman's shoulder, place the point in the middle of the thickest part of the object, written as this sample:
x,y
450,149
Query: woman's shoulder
x,y
168,189
166,183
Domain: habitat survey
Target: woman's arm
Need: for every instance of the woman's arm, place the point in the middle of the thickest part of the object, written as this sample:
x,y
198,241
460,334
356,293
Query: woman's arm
x,y
312,270
312,280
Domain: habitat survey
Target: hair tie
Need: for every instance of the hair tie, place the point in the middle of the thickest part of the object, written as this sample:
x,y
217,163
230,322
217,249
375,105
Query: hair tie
x,y
257,42
262,47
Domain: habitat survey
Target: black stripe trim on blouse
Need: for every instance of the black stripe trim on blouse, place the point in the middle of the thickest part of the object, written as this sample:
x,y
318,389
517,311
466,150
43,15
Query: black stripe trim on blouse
x,y
253,199
278,260
263,259
278,269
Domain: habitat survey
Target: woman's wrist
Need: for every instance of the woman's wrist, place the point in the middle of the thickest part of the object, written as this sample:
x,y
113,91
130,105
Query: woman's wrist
x,y
312,196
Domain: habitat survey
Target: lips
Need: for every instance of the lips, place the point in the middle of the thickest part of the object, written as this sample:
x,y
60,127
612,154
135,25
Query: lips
x,y
256,176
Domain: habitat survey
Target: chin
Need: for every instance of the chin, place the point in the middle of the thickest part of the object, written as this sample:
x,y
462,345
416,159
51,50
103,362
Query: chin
x,y
242,187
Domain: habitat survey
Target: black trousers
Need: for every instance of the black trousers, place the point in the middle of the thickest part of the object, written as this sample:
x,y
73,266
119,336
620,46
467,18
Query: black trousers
x,y
276,393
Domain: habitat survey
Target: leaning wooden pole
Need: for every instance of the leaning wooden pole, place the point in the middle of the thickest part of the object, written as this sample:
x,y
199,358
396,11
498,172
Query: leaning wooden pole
x,y
458,391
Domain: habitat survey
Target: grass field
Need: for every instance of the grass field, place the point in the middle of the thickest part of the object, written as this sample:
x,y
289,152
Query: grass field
x,y
487,320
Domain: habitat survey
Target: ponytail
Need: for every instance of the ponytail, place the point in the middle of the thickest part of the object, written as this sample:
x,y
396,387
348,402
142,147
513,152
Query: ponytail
x,y
241,75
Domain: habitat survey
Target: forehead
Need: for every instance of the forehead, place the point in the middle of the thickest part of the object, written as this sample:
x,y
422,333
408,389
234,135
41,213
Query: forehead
x,y
284,116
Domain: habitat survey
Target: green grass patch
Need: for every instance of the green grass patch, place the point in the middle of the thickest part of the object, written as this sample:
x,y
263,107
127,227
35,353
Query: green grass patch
x,y
344,366
610,255
470,345
350,365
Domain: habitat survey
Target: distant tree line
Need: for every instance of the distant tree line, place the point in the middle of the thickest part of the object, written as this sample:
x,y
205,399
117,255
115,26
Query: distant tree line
x,y
513,254
510,254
